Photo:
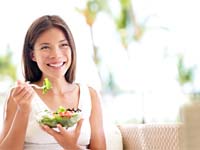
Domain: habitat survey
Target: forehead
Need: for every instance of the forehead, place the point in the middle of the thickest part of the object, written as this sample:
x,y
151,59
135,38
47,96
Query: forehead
x,y
51,35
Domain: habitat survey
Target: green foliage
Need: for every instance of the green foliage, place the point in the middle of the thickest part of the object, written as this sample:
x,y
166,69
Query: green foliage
x,y
185,75
125,17
111,85
7,68
93,7
127,25
125,22
90,12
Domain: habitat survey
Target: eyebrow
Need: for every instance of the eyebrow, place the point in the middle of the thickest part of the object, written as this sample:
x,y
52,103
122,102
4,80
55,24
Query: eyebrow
x,y
65,40
44,44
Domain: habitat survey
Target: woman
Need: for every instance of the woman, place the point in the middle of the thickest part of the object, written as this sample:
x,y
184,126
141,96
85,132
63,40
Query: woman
x,y
49,52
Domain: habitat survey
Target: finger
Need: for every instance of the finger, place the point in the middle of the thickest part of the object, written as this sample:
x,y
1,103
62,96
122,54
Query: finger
x,y
20,88
28,96
19,82
18,93
26,92
49,130
61,129
78,126
17,89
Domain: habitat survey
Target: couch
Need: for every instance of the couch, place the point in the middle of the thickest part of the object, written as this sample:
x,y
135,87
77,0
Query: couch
x,y
155,136
190,116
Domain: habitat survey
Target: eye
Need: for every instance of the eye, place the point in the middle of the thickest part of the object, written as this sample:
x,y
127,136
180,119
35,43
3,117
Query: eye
x,y
64,45
44,47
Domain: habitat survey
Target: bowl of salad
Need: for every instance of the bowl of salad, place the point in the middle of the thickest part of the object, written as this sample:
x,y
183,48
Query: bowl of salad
x,y
66,117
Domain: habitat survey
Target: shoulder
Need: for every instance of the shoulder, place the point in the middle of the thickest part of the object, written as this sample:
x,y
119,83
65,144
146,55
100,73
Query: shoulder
x,y
95,97
93,92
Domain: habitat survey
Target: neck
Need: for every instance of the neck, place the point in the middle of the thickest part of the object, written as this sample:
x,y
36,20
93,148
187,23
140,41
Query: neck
x,y
59,85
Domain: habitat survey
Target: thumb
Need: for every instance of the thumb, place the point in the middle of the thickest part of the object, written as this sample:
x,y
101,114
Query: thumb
x,y
19,82
78,126
61,129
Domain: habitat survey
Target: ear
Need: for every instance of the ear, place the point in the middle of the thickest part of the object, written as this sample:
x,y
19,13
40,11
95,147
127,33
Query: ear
x,y
32,56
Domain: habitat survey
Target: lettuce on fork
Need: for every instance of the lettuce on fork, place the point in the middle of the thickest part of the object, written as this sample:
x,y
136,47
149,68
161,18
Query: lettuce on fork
x,y
46,85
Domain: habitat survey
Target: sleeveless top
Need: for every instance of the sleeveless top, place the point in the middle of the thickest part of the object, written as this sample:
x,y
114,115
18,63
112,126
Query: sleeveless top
x,y
37,139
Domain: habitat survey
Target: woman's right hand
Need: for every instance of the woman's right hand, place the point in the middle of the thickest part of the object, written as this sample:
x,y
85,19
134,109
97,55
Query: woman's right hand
x,y
22,95
67,139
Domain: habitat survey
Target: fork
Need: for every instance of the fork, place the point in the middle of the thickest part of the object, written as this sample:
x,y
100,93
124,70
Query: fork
x,y
36,86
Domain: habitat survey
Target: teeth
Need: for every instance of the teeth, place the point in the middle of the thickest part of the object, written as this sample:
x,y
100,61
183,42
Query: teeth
x,y
56,65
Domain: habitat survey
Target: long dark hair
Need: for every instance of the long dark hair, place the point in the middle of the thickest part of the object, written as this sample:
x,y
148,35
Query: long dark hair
x,y
31,70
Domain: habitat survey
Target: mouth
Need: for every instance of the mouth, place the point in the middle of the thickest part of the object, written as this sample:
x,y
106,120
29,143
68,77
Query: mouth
x,y
56,65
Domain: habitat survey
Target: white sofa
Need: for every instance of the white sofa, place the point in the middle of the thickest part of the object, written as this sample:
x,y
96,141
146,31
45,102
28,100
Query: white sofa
x,y
144,136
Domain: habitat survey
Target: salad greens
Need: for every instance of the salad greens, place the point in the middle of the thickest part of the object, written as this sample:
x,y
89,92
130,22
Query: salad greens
x,y
46,86
62,116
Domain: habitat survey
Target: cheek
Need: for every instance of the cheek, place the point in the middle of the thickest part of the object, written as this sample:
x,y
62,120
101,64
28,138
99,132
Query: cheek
x,y
70,58
40,55
39,59
68,55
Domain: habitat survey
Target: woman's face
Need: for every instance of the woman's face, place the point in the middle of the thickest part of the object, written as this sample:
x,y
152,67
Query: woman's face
x,y
52,53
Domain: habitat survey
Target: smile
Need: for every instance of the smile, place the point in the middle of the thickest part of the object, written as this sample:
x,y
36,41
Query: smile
x,y
56,65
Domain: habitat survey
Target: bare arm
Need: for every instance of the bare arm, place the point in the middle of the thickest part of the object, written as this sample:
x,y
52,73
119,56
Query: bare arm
x,y
97,141
16,118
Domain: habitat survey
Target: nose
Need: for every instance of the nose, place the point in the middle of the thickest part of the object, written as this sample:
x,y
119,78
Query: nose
x,y
55,52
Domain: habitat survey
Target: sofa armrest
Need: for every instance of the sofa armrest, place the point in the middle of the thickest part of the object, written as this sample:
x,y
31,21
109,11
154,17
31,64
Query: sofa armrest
x,y
113,137
131,136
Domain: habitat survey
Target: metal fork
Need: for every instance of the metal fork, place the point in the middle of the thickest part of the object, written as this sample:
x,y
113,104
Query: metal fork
x,y
36,86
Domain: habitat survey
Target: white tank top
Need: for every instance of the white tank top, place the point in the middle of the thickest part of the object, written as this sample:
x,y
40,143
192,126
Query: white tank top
x,y
37,139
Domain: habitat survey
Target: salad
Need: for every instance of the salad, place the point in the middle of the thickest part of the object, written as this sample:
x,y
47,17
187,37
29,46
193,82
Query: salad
x,y
65,117
46,85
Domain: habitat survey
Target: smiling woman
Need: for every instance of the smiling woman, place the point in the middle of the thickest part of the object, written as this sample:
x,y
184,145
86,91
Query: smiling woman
x,y
163,38
49,52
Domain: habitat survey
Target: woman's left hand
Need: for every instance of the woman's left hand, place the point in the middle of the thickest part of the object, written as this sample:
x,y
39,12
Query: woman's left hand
x,y
67,139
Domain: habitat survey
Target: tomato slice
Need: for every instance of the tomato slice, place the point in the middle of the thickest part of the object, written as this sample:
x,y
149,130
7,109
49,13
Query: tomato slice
x,y
68,114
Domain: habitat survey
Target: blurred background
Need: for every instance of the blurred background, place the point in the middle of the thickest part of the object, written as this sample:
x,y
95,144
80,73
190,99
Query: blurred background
x,y
142,55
